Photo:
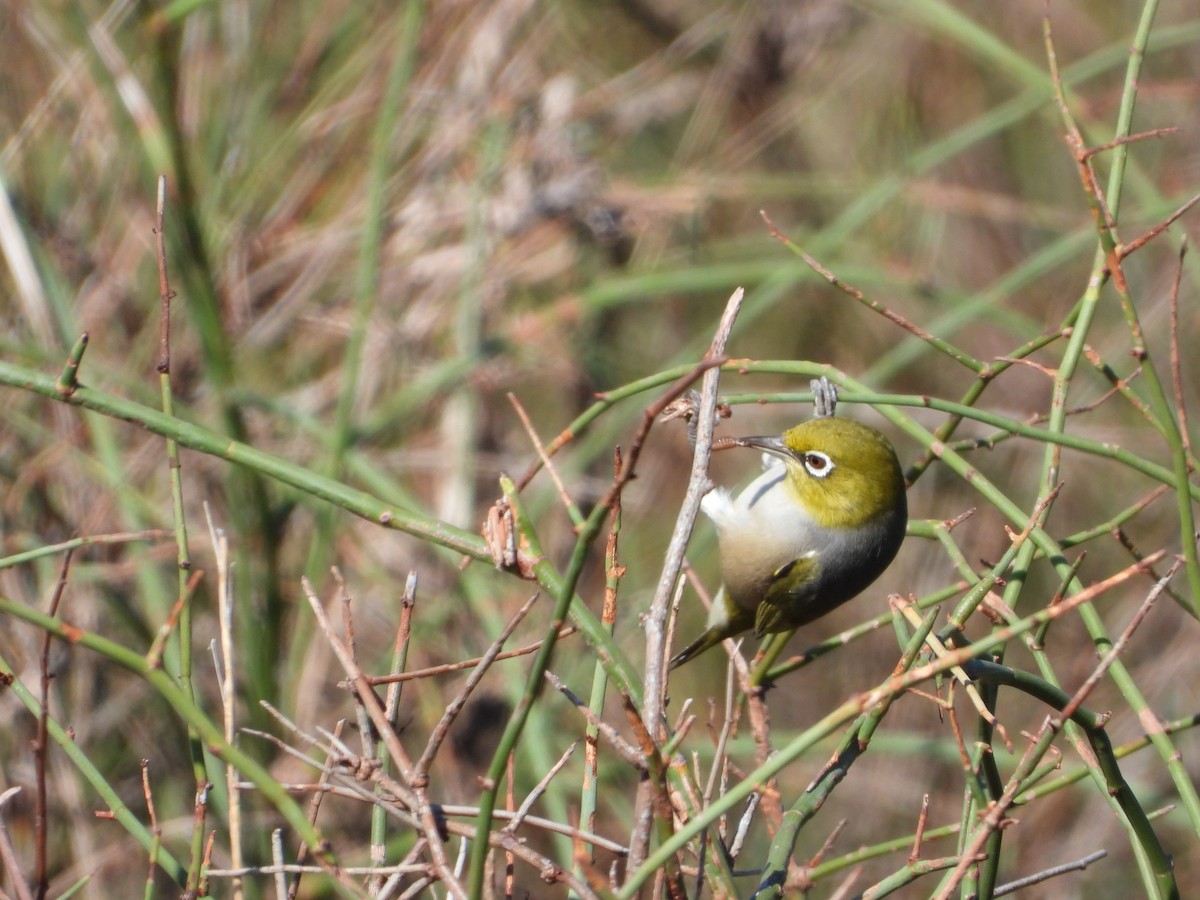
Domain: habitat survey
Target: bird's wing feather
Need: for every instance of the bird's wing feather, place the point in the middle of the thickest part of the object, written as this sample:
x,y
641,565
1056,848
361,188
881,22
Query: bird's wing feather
x,y
786,594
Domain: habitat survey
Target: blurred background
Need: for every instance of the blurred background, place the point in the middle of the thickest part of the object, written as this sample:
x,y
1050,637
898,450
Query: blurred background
x,y
384,218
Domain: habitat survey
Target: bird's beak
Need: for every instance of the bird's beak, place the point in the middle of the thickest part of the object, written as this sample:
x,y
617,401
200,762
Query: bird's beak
x,y
767,443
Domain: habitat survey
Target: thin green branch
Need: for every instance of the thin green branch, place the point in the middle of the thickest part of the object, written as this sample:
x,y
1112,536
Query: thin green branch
x,y
1092,725
850,709
183,561
535,681
854,743
190,713
112,799
1103,449
1107,263
70,373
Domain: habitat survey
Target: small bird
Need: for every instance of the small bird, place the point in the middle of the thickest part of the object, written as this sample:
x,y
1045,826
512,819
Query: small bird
x,y
816,528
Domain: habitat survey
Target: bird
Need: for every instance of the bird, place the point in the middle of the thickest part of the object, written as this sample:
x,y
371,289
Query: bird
x,y
816,528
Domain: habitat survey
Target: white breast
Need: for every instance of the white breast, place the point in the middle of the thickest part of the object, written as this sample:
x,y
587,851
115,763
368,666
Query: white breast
x,y
759,531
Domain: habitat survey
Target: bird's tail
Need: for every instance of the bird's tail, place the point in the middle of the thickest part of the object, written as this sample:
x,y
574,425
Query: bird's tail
x,y
709,638
725,620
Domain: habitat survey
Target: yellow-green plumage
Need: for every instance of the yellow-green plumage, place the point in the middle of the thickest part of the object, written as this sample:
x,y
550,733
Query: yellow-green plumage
x,y
811,532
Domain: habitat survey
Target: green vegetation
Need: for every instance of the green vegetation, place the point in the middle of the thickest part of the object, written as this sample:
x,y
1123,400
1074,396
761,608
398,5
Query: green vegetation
x,y
429,265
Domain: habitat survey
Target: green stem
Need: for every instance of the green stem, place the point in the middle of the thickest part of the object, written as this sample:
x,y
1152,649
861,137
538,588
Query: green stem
x,y
120,811
70,373
854,744
833,720
1049,435
210,733
536,681
589,795
1092,725
352,500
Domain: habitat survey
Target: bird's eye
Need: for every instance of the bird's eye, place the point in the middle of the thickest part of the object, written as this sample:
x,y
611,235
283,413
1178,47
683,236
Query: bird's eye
x,y
817,464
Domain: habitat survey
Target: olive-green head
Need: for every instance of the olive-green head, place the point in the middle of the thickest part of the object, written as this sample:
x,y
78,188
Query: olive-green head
x,y
845,474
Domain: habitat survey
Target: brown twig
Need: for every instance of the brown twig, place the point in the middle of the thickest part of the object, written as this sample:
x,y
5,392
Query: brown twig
x,y
718,778
314,808
566,435
676,603
939,649
291,726
408,602
350,786
1124,250
1118,645
165,294
919,837
650,415
994,818
365,731
729,721
828,844
199,812
683,725
798,878
1122,538
847,884
961,655
568,503
155,830
1120,384
539,789
1176,356
1078,865
623,748
872,304
450,668
613,573
442,729
1105,225
655,677
960,742
352,770
206,862
655,784
347,614
585,864
510,861
702,594
430,824
391,704
154,654
1017,539
1130,139
346,783
8,855
758,714
685,709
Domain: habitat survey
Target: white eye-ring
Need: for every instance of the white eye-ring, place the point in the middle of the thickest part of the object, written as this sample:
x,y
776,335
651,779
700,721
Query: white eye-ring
x,y
817,464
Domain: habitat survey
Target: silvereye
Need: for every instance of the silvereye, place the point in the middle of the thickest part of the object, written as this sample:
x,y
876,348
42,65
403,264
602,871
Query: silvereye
x,y
816,528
